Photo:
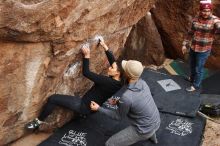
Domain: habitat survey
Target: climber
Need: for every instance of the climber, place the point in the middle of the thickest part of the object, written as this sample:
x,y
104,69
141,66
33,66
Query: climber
x,y
104,87
199,42
137,104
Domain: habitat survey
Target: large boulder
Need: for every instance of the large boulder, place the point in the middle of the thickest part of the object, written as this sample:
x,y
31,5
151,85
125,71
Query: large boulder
x,y
144,43
40,51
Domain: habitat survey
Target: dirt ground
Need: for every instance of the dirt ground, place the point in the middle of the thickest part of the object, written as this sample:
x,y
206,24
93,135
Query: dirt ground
x,y
212,133
31,140
211,136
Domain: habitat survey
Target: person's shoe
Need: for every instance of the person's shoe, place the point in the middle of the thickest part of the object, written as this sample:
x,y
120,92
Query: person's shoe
x,y
33,125
187,78
191,89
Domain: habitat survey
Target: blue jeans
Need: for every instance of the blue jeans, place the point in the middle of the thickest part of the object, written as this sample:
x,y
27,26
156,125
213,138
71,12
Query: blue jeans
x,y
197,62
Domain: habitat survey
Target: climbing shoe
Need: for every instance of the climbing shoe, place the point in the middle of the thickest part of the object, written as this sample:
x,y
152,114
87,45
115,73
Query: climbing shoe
x,y
33,125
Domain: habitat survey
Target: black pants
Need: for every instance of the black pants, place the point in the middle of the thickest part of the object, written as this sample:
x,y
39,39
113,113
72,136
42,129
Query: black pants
x,y
71,102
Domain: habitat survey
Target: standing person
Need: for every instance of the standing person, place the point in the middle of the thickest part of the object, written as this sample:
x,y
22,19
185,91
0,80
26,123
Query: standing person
x,y
104,87
137,104
199,39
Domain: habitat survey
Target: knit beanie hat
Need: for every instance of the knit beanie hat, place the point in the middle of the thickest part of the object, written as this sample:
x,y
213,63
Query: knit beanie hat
x,y
132,68
205,4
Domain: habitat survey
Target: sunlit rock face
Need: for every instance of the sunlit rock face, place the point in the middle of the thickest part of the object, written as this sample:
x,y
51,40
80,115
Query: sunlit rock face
x,y
40,43
72,20
173,18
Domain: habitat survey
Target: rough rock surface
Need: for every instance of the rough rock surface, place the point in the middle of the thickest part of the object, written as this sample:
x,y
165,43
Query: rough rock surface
x,y
144,43
73,20
173,18
40,51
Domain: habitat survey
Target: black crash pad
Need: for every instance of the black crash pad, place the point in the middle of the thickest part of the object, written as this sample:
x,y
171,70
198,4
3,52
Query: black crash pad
x,y
178,131
178,102
90,131
97,128
211,85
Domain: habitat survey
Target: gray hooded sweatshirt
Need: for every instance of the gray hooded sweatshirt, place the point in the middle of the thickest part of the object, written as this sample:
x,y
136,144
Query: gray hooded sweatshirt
x,y
137,104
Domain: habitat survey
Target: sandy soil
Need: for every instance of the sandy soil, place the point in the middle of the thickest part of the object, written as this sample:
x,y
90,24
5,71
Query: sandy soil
x,y
31,140
212,134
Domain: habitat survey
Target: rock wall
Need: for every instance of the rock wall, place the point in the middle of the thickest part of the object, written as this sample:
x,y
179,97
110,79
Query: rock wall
x,y
173,18
144,43
214,59
40,51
